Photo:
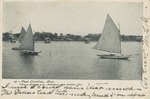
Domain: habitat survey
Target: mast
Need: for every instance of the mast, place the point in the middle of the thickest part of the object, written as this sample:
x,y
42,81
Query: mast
x,y
119,35
33,43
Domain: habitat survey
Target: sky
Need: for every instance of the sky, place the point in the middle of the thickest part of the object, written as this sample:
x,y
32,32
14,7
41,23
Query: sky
x,y
79,18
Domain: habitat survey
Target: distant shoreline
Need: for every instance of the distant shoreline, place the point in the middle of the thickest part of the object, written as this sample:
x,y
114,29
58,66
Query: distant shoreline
x,y
43,36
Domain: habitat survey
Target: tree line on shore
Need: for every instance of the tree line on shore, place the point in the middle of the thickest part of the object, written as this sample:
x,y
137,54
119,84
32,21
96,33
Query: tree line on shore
x,y
40,36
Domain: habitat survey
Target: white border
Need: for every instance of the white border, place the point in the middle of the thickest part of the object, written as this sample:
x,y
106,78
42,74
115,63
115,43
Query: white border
x,y
144,84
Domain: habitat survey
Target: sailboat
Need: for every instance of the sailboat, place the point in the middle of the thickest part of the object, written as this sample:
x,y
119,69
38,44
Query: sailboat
x,y
20,39
110,41
28,43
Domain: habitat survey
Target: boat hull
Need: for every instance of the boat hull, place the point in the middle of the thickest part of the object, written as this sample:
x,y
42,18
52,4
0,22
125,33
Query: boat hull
x,y
16,48
27,52
114,56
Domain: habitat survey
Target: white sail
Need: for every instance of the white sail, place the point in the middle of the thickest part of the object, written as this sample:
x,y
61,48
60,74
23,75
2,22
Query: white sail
x,y
110,38
28,42
21,36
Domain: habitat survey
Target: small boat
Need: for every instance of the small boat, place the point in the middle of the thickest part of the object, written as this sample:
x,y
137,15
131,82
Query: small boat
x,y
20,39
87,41
13,40
110,41
27,44
47,40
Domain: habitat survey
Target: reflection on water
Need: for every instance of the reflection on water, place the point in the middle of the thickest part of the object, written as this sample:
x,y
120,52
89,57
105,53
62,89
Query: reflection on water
x,y
27,64
71,60
108,67
26,59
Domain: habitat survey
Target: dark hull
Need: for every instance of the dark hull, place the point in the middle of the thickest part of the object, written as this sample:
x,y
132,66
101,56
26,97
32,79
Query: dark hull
x,y
30,53
16,48
114,56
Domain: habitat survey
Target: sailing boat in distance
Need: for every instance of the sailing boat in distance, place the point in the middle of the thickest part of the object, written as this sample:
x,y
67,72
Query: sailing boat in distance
x,y
28,43
110,41
20,39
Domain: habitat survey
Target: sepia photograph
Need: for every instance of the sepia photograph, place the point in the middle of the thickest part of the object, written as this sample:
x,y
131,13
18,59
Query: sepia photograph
x,y
72,40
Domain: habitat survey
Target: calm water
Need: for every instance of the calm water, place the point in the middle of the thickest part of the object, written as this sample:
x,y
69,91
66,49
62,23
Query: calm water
x,y
71,60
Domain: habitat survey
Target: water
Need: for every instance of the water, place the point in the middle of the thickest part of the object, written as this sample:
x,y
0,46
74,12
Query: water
x,y
71,60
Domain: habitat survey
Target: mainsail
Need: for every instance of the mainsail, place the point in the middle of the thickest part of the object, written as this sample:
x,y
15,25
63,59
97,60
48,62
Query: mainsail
x,y
110,40
21,36
28,42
